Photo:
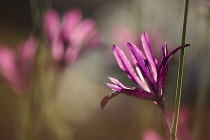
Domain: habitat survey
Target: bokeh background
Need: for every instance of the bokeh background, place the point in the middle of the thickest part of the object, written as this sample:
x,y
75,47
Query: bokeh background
x,y
83,85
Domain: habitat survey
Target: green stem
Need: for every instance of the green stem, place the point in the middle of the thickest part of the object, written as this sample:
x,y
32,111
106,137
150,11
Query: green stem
x,y
165,114
180,75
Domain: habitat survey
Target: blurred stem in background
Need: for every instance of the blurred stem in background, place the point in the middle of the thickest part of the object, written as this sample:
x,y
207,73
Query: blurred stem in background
x,y
38,10
202,89
31,103
48,80
180,75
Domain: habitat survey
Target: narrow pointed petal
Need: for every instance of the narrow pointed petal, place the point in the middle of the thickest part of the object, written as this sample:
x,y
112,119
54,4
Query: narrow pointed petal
x,y
140,58
51,24
175,50
125,65
165,49
114,87
162,79
149,84
163,69
116,82
131,92
149,55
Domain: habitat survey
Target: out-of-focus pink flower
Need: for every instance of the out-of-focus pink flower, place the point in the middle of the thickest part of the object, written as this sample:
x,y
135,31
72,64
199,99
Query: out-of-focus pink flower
x,y
16,67
69,37
183,132
151,135
121,34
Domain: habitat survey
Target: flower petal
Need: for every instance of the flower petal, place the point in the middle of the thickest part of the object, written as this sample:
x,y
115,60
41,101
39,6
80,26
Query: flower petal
x,y
116,82
26,53
138,93
165,49
79,37
51,24
27,50
162,78
175,50
8,67
163,69
149,55
57,49
83,32
125,65
69,22
142,68
140,58
114,87
131,92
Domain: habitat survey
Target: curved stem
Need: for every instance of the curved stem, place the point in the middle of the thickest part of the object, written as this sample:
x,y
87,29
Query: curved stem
x,y
180,75
165,114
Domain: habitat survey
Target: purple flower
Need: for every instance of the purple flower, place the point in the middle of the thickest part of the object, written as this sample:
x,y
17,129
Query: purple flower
x,y
147,74
16,67
70,37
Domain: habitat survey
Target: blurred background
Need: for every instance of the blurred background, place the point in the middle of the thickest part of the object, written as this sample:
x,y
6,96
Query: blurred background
x,y
82,86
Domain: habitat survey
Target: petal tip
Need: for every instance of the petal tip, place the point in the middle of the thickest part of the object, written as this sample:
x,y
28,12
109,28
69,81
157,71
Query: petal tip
x,y
187,45
114,46
144,33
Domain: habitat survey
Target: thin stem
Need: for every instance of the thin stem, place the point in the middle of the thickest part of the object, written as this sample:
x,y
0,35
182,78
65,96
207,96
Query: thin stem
x,y
165,114
180,75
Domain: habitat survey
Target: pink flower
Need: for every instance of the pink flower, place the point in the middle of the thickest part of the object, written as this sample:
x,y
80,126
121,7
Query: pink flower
x,y
69,37
151,135
121,34
149,77
183,129
16,67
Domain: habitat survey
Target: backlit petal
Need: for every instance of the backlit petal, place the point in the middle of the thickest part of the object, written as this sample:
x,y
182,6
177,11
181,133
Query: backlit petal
x,y
51,24
125,65
116,82
140,58
149,55
114,87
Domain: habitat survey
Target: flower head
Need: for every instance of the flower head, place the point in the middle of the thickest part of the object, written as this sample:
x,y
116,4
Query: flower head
x,y
69,37
147,74
16,67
